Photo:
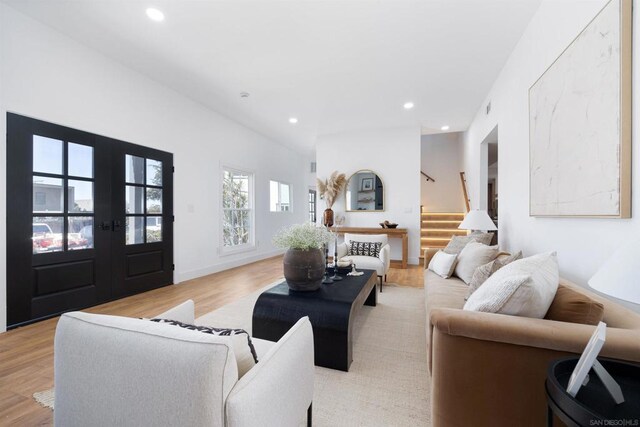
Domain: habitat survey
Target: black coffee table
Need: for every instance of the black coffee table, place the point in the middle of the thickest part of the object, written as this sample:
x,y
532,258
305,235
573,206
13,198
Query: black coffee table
x,y
331,310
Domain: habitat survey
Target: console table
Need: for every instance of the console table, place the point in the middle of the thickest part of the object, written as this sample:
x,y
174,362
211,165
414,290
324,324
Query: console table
x,y
400,233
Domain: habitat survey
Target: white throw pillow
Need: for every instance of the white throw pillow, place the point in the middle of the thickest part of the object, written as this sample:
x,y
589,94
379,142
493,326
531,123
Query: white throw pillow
x,y
443,264
473,256
525,287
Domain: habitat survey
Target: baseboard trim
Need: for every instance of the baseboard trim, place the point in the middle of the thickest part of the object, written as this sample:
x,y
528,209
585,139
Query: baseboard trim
x,y
216,268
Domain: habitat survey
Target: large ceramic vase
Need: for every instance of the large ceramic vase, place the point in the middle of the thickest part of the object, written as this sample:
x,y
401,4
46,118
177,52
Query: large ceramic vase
x,y
327,217
304,269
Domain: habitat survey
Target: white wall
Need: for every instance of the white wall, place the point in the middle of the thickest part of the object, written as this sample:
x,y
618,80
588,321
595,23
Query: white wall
x,y
48,76
441,159
582,244
394,154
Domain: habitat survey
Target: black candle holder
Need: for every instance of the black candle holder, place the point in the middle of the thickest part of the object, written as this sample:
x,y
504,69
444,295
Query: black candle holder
x,y
327,280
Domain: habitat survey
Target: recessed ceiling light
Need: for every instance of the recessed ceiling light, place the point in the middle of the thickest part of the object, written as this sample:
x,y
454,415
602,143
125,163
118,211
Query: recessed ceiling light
x,y
155,15
244,94
445,127
293,120
408,105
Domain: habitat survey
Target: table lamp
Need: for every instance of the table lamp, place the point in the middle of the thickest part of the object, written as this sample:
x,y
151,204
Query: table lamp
x,y
477,220
619,276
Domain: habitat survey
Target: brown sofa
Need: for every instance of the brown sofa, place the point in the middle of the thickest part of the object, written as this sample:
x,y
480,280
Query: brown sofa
x,y
489,369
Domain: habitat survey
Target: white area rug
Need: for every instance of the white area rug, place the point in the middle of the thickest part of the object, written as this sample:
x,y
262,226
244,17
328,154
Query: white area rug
x,y
387,383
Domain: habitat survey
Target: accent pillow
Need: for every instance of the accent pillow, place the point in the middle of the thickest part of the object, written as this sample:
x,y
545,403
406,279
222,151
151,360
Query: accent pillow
x,y
443,264
485,271
525,287
457,243
473,256
575,307
243,348
365,248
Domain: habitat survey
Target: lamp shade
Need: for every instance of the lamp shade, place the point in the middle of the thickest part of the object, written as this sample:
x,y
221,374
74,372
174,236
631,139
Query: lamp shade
x,y
619,276
477,220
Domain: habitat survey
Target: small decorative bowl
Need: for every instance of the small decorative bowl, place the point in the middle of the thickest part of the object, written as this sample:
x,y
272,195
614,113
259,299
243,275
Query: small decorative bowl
x,y
388,225
392,225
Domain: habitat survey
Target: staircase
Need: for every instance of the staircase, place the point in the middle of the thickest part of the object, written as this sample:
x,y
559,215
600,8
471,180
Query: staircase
x,y
438,227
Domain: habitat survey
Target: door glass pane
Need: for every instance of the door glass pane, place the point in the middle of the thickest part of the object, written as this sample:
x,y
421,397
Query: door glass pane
x,y
48,194
154,200
134,169
134,199
80,160
80,234
135,227
47,234
80,196
154,172
47,155
154,229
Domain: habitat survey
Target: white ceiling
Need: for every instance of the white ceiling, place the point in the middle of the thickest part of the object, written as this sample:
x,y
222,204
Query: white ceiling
x,y
336,65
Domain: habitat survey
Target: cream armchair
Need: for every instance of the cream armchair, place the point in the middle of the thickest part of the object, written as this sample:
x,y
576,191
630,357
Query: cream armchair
x,y
381,264
119,371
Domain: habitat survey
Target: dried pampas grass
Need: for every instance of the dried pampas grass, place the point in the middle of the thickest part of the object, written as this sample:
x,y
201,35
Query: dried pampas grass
x,y
330,188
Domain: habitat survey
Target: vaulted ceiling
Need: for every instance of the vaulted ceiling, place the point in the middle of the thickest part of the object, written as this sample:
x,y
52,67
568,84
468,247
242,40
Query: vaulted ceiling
x,y
335,65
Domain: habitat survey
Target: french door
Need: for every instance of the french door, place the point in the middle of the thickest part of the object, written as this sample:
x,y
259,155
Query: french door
x,y
89,219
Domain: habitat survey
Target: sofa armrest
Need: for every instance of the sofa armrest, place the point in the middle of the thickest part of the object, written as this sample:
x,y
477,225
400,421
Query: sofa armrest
x,y
342,250
385,257
428,254
541,333
279,389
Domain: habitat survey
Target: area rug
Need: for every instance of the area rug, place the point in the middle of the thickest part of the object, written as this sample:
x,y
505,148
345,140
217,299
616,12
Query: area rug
x,y
387,383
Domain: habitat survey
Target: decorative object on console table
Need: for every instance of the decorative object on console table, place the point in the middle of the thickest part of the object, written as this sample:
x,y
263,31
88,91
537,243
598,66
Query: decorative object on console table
x,y
329,190
304,265
387,224
477,220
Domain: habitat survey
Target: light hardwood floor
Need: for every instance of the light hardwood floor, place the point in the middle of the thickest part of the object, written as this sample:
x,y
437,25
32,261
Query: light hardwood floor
x,y
26,354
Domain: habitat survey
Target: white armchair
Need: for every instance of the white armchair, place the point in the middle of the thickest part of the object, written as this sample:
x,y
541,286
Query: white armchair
x,y
118,371
381,264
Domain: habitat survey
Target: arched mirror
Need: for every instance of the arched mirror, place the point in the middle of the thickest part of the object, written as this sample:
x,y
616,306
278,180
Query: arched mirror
x,y
365,192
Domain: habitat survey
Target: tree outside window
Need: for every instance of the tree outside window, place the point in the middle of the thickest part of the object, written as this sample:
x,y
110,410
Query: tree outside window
x,y
237,209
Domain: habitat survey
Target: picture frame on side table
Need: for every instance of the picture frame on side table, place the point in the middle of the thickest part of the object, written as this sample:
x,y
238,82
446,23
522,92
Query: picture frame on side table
x,y
588,360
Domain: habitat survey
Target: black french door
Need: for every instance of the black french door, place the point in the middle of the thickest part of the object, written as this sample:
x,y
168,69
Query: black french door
x,y
89,219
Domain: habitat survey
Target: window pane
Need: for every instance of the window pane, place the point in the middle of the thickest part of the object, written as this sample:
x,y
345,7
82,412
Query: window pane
x,y
154,200
47,155
235,190
134,169
135,227
154,229
80,160
154,172
285,202
273,196
47,234
80,196
134,199
48,194
80,233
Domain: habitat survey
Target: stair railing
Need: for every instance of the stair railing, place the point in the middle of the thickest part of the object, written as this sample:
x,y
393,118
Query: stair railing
x,y
467,201
427,176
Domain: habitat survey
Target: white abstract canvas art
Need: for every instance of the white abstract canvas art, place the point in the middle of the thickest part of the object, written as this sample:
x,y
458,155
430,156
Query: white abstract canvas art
x,y
577,124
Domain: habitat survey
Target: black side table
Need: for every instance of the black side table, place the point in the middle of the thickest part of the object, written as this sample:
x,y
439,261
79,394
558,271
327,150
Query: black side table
x,y
593,405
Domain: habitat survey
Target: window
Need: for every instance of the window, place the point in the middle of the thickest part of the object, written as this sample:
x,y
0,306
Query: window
x,y
312,206
62,205
143,200
237,209
280,197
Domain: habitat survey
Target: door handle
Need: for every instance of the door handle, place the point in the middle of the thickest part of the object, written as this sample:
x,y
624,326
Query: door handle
x,y
105,226
116,225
